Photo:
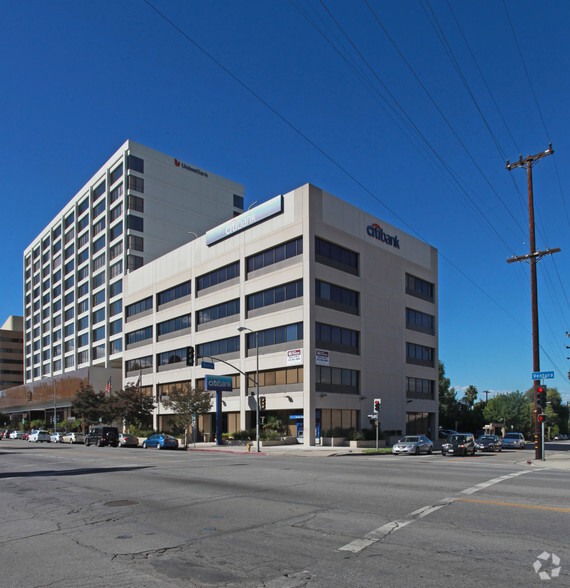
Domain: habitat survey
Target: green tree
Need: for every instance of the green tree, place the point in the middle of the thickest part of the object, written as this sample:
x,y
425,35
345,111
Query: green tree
x,y
513,409
90,406
449,407
470,396
131,406
186,403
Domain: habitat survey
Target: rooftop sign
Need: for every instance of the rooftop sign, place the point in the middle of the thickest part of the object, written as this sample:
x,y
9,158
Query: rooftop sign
x,y
244,221
376,232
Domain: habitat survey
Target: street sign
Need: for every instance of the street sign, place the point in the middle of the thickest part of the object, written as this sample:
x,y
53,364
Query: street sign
x,y
209,365
542,375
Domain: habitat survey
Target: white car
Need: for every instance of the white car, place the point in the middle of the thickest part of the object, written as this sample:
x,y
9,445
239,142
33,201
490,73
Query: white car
x,y
17,435
40,436
56,437
513,441
415,444
73,438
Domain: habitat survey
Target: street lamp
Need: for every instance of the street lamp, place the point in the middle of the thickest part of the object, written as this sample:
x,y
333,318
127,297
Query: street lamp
x,y
241,329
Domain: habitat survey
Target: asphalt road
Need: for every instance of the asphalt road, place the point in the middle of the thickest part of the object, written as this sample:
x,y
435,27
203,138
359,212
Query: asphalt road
x,y
85,516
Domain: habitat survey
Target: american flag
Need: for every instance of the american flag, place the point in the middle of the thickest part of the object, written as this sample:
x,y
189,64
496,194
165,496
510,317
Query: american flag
x,y
108,387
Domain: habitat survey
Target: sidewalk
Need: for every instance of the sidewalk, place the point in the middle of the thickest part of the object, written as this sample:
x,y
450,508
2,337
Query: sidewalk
x,y
555,459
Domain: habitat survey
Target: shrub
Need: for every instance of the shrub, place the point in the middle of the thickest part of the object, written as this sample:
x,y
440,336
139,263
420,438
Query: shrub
x,y
248,435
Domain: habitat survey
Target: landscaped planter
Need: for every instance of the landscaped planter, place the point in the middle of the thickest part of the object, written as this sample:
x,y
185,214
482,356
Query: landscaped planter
x,y
368,444
333,441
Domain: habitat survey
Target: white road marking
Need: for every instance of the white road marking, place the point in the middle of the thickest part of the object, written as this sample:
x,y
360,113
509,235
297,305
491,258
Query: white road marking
x,y
375,536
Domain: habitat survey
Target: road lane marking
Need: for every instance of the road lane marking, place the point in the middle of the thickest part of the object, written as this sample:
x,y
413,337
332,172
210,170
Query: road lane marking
x,y
374,536
515,505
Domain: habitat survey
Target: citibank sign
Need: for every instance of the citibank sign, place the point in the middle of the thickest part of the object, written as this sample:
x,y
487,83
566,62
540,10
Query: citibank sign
x,y
376,232
245,220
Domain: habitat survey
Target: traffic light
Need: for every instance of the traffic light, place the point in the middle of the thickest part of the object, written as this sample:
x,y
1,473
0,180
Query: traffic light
x,y
542,418
262,403
377,403
541,397
190,356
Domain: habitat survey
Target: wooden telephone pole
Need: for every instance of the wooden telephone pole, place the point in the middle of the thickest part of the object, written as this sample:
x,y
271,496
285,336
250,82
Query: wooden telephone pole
x,y
533,257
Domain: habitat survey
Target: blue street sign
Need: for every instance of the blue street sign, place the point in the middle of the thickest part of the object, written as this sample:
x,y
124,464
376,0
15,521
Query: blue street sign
x,y
219,383
542,375
209,365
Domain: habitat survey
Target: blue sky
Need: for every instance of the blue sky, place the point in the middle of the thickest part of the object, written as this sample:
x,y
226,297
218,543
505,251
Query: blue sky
x,y
405,109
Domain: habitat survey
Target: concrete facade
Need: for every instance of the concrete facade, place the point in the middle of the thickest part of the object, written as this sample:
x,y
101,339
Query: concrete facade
x,y
12,352
344,306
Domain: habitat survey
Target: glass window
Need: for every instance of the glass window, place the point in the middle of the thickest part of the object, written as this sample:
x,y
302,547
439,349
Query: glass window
x,y
135,223
136,164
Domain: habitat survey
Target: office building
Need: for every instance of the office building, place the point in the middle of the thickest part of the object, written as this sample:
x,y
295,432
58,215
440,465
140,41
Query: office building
x,y
12,352
139,205
339,309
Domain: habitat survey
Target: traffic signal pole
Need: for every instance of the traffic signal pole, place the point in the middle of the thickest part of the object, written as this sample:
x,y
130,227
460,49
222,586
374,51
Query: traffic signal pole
x,y
533,257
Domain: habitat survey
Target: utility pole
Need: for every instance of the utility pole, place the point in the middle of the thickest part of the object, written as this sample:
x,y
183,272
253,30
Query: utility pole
x,y
533,257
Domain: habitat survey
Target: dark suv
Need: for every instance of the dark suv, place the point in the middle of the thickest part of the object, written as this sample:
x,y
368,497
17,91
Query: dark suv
x,y
102,436
459,444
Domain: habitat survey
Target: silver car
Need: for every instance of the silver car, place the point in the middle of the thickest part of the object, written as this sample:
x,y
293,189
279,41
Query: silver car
x,y
415,444
513,441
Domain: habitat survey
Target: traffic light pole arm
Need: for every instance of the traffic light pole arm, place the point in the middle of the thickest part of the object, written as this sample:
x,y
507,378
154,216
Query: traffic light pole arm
x,y
232,366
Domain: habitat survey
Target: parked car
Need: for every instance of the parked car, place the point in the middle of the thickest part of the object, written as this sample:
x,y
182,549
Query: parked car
x,y
445,433
17,435
73,438
40,436
126,440
459,444
415,444
561,437
161,441
56,437
102,435
489,443
513,441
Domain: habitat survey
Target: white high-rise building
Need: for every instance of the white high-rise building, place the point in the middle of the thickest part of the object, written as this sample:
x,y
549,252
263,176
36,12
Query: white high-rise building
x,y
140,205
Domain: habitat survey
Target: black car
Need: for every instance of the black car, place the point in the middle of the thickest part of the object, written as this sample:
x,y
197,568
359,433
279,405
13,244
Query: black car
x,y
489,443
459,444
102,435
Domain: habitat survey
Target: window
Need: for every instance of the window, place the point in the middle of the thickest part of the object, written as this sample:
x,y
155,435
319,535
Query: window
x,y
136,163
116,269
99,298
175,356
135,243
219,311
83,240
98,244
116,212
138,307
99,262
282,334
98,226
69,235
82,323
82,207
97,210
115,288
174,293
69,346
82,340
336,297
135,183
116,250
98,280
135,223
140,363
277,377
116,231
83,256
173,325
99,191
420,354
68,267
68,314
116,327
275,255
116,346
98,316
420,388
68,220
238,201
336,338
134,262
116,308
116,193
419,321
82,223
140,335
336,256
116,174
68,299
99,352
83,306
336,380
220,347
98,334
419,288
274,295
218,276
82,290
